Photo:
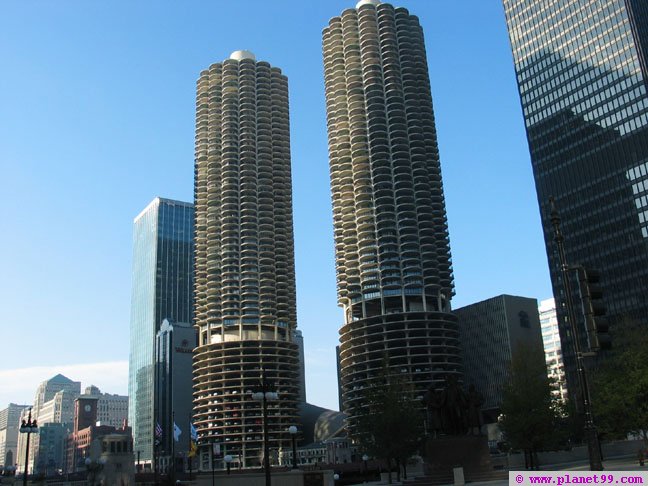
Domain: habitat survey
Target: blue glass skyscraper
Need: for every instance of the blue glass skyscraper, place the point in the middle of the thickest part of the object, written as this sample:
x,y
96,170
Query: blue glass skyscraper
x,y
162,289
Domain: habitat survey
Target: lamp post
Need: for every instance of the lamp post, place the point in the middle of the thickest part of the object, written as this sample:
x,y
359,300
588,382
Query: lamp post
x,y
228,461
27,427
365,458
263,395
293,434
591,436
213,462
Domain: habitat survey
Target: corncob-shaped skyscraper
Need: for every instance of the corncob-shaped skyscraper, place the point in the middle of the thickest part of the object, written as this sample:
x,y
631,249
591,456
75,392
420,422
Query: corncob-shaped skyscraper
x,y
245,273
391,236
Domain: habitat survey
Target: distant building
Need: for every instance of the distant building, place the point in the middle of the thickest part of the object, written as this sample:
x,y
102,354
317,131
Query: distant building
x,y
339,377
490,333
50,457
318,424
60,409
111,409
9,426
552,347
162,289
298,338
87,440
54,422
46,390
174,345
53,404
338,450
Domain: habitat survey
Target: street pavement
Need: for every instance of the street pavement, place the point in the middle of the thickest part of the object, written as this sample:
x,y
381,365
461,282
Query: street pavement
x,y
616,464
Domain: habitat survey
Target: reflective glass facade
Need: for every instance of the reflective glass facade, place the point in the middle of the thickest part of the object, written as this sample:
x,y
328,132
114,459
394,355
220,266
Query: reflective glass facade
x,y
162,288
581,72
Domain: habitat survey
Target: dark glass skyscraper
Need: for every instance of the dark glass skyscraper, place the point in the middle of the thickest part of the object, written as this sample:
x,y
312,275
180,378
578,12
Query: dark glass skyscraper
x,y
392,249
581,72
162,289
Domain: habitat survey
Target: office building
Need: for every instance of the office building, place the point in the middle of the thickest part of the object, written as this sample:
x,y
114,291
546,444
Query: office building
x,y
174,345
552,348
53,404
112,409
9,427
60,409
162,289
244,264
392,251
299,340
491,333
48,388
50,457
582,76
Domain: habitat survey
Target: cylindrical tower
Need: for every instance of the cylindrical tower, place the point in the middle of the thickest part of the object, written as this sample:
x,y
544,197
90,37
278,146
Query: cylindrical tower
x,y
244,258
392,249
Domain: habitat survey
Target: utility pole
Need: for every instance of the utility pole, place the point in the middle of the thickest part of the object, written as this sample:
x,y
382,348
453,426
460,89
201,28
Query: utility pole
x,y
586,401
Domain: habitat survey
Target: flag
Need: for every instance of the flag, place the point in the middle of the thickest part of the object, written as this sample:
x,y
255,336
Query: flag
x,y
158,430
176,432
193,449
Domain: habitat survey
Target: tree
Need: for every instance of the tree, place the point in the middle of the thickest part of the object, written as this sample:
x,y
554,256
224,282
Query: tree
x,y
620,385
392,425
530,413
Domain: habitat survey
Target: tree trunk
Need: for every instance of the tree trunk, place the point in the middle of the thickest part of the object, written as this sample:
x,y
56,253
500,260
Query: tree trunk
x,y
398,470
389,471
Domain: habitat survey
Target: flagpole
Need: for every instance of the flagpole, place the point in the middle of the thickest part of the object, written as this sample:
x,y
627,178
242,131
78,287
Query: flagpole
x,y
155,471
173,441
156,444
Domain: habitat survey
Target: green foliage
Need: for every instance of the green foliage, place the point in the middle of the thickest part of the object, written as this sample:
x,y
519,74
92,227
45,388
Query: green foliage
x,y
620,385
392,426
571,424
530,413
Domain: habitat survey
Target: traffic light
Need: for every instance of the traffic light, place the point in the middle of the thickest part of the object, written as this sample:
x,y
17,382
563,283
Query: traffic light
x,y
594,310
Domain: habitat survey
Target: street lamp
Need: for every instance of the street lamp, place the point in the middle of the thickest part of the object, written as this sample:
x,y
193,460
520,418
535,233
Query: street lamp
x,y
293,434
593,446
228,461
213,462
263,395
27,427
94,467
365,458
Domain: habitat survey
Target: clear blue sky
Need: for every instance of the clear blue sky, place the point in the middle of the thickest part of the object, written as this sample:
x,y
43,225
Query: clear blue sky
x,y
97,102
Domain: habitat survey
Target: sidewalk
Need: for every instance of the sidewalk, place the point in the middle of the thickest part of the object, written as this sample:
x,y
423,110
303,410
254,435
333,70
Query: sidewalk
x,y
616,464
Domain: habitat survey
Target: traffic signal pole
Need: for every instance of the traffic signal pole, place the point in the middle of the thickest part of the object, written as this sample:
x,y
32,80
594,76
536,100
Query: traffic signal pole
x,y
591,436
